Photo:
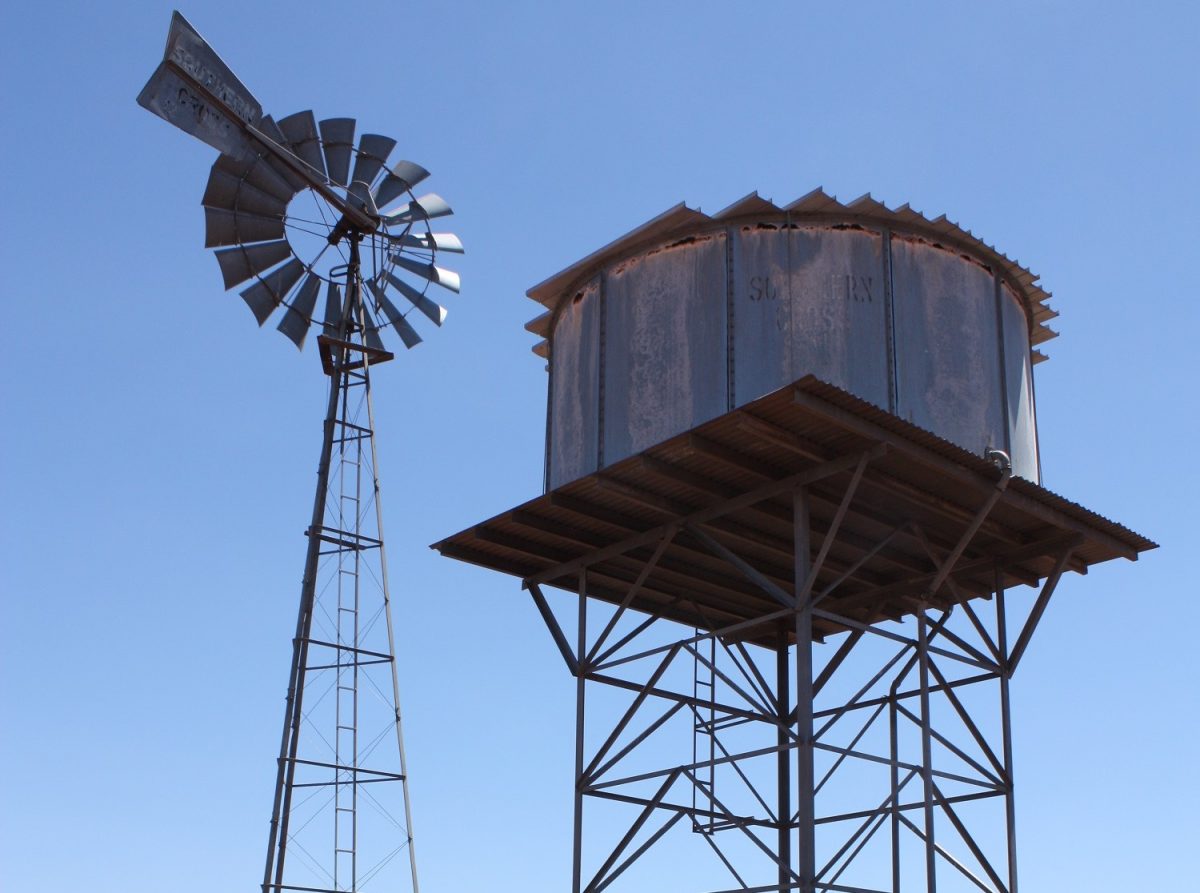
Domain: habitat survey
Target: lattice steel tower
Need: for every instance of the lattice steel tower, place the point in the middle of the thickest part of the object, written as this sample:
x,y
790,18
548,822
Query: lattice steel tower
x,y
794,515
296,209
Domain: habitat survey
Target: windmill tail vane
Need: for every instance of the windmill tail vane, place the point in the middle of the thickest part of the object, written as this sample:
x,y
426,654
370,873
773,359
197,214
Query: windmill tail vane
x,y
303,216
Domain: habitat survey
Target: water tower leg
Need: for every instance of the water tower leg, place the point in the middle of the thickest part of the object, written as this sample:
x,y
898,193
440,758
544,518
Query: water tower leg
x,y
783,670
580,691
805,787
1006,729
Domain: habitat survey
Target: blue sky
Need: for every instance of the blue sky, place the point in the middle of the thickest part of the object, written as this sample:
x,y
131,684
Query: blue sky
x,y
159,450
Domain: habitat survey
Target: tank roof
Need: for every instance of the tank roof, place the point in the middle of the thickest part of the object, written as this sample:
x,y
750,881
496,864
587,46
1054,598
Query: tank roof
x,y
816,206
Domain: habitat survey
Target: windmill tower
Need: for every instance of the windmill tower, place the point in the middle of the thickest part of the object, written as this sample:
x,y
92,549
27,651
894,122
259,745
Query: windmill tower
x,y
297,210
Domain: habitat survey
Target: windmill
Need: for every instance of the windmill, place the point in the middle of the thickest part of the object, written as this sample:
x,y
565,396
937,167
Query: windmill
x,y
296,209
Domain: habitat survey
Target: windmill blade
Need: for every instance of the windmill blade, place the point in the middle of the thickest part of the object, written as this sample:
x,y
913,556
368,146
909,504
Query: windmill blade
x,y
358,193
235,228
243,261
406,332
430,241
371,331
426,207
230,193
333,309
301,132
434,311
402,177
373,151
266,294
299,315
271,129
257,173
337,140
443,277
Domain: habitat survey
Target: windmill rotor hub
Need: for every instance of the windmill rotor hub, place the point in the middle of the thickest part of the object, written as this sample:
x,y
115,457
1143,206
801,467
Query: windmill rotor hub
x,y
346,227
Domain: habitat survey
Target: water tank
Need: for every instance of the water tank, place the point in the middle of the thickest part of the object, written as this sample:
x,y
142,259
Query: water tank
x,y
691,316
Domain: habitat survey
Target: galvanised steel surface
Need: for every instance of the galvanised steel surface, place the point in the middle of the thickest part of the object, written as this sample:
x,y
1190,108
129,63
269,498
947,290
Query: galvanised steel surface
x,y
663,331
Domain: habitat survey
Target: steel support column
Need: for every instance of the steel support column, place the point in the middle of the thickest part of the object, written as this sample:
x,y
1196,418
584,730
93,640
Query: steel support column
x,y
805,771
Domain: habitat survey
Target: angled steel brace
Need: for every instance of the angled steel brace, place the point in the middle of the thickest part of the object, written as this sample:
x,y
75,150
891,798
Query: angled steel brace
x,y
906,807
850,747
983,861
896,637
743,566
699,764
880,811
647,569
749,669
630,712
632,832
666,694
905,695
636,854
948,856
742,827
966,720
724,631
886,761
838,712
642,736
805,591
867,556
997,780
733,686
834,662
653,617
1039,608
552,624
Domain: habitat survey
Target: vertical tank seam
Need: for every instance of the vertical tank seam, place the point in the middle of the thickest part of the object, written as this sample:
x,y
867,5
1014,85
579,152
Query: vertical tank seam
x,y
1003,355
730,322
889,291
601,368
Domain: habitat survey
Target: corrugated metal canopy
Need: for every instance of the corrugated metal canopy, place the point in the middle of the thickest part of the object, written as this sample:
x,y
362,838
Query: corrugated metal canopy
x,y
815,207
920,490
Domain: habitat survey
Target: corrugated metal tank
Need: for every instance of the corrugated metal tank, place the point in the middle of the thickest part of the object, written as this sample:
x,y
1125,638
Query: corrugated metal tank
x,y
692,316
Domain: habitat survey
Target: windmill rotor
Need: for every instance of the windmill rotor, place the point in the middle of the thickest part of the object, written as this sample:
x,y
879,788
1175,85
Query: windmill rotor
x,y
296,203
280,240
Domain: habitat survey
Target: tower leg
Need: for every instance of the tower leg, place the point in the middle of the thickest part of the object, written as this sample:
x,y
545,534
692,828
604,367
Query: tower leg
x,y
293,711
805,772
783,737
580,693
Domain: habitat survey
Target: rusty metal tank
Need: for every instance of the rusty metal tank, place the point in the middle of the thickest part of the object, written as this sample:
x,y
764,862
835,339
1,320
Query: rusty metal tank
x,y
691,316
